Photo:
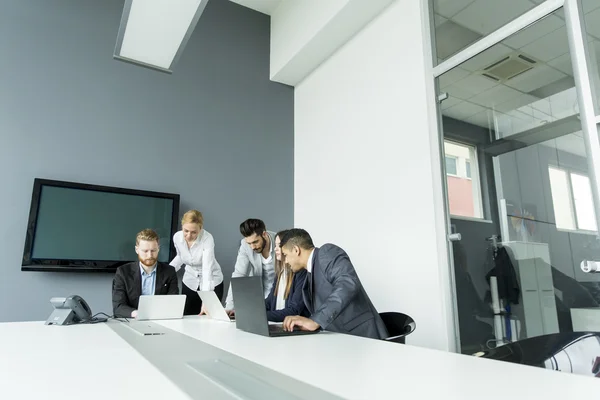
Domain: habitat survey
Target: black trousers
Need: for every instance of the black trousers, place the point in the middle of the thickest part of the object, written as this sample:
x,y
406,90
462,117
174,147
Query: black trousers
x,y
193,302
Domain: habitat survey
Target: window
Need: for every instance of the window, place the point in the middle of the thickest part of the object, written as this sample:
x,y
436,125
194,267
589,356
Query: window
x,y
451,166
572,199
464,190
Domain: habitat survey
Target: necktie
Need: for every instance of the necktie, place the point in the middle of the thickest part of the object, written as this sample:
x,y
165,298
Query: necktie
x,y
310,289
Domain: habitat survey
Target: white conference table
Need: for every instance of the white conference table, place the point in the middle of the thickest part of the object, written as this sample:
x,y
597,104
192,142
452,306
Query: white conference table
x,y
92,361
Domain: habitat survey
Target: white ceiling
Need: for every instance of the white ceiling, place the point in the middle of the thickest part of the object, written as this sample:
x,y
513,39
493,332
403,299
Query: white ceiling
x,y
538,96
263,6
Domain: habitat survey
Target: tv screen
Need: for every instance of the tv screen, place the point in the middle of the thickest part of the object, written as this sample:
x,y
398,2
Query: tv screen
x,y
81,227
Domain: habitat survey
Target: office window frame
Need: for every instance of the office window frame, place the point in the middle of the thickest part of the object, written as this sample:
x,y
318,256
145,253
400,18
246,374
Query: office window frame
x,y
475,178
455,159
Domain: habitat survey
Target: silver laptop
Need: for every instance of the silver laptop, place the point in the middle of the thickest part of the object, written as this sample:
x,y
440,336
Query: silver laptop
x,y
166,306
213,306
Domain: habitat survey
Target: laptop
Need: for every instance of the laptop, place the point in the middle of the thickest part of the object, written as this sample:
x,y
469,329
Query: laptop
x,y
250,310
166,306
213,306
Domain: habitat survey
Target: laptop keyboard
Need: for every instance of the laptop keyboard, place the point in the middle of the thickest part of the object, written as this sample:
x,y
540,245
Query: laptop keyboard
x,y
276,328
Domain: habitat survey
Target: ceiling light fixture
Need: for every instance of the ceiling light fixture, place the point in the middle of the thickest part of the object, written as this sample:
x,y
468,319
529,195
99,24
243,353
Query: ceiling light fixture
x,y
154,33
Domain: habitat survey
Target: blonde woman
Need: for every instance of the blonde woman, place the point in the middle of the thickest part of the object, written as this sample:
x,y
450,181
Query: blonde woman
x,y
196,250
285,297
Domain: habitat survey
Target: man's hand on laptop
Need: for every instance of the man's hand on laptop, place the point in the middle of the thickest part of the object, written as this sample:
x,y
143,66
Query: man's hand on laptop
x,y
231,313
134,314
295,321
203,311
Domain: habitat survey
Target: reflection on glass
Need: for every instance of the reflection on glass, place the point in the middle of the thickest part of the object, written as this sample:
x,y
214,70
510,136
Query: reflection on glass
x,y
561,198
464,193
584,203
511,128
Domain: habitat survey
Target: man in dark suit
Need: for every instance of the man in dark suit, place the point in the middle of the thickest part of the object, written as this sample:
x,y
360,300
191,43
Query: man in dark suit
x,y
332,293
145,277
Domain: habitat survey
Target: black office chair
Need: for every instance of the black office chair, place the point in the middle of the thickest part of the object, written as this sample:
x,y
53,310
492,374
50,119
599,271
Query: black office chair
x,y
398,326
573,352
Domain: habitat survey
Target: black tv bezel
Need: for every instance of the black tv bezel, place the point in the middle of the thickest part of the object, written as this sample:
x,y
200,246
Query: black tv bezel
x,y
71,265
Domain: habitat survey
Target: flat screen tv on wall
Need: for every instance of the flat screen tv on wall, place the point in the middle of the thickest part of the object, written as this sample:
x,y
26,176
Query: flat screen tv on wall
x,y
90,228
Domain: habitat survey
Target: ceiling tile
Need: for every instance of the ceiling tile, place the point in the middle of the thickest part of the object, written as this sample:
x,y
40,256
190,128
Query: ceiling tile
x,y
448,8
458,92
483,119
451,38
534,32
549,47
438,20
592,22
563,63
485,16
560,13
463,110
450,102
497,95
516,103
452,76
589,5
473,84
487,57
535,78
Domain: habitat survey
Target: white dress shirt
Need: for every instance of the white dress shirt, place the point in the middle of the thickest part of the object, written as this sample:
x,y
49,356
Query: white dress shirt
x,y
269,262
250,263
309,262
202,271
280,303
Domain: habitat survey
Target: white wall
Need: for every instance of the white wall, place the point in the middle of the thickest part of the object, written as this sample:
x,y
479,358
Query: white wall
x,y
363,168
304,33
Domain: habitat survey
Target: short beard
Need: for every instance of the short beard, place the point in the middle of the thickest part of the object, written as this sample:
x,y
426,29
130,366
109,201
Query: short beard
x,y
262,248
149,262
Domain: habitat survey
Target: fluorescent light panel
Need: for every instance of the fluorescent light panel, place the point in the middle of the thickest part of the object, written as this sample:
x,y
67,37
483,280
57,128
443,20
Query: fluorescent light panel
x,y
153,33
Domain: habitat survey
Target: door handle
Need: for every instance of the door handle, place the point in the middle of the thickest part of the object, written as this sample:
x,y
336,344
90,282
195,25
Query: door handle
x,y
455,237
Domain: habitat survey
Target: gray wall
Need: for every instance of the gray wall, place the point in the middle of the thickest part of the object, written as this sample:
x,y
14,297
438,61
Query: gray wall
x,y
217,131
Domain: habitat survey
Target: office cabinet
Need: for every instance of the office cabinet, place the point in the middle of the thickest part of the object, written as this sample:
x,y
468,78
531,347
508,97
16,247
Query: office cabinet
x,y
537,307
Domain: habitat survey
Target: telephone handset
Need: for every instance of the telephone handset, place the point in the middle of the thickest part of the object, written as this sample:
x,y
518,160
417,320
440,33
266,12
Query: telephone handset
x,y
80,307
69,310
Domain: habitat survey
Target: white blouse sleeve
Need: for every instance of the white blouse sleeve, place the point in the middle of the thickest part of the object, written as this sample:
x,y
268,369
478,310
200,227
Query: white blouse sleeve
x,y
213,275
176,262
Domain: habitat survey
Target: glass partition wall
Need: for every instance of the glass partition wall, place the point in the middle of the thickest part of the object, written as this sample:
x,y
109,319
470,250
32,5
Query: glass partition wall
x,y
517,84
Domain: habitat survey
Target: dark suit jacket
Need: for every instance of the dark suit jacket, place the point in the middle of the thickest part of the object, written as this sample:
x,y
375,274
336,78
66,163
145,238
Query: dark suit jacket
x,y
127,286
339,303
294,304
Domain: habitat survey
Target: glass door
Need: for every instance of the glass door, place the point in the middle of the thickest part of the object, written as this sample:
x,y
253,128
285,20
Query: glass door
x,y
520,190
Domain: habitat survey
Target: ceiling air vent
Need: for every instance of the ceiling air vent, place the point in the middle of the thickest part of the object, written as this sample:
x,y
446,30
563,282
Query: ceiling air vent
x,y
508,67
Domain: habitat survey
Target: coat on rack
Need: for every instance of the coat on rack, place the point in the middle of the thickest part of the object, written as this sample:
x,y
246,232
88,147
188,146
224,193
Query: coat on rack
x,y
504,271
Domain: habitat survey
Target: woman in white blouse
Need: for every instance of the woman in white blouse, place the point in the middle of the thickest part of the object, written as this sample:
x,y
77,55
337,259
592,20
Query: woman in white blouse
x,y
196,250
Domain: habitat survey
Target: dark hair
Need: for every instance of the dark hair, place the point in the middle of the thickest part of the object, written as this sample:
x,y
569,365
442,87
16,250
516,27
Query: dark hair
x,y
281,234
252,226
297,237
